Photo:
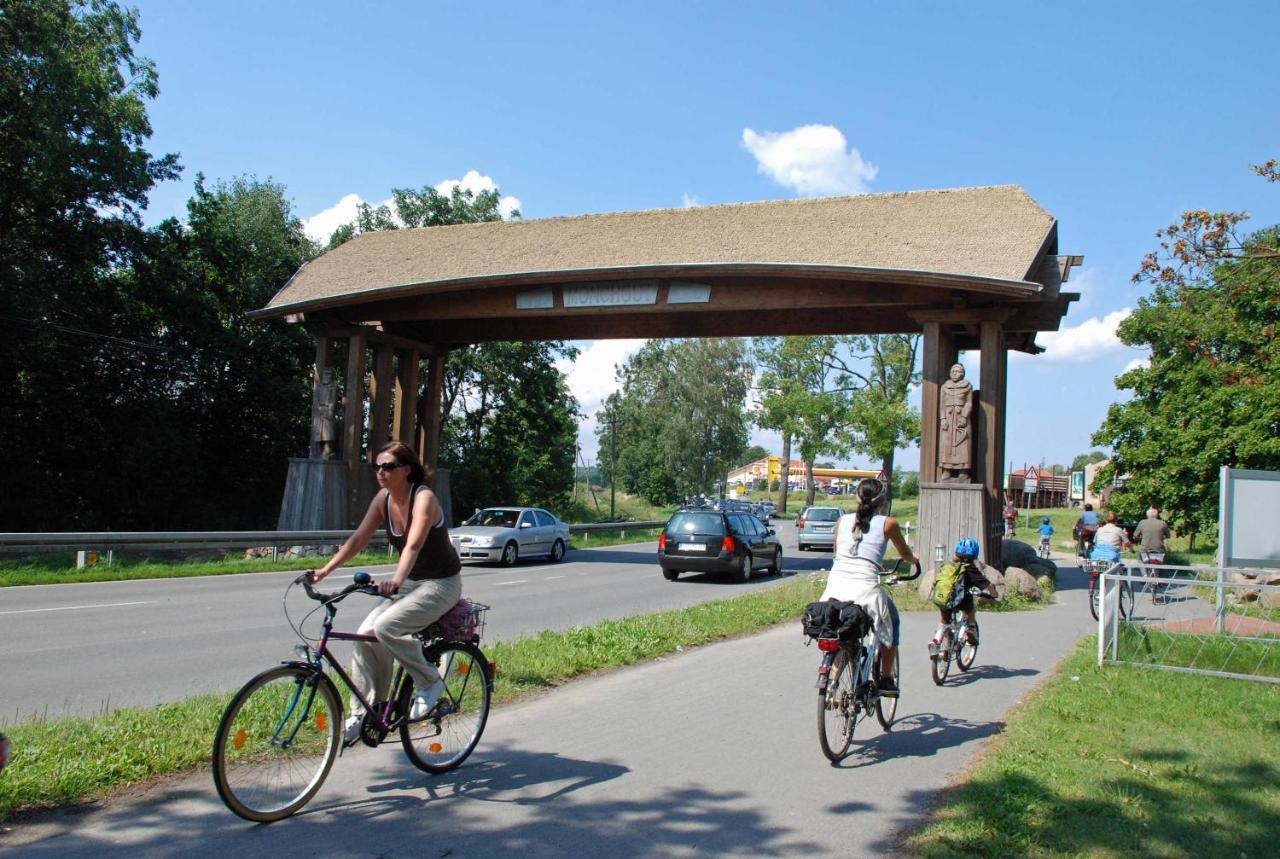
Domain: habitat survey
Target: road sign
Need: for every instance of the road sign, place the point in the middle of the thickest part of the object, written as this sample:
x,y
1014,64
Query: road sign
x,y
1077,486
1031,482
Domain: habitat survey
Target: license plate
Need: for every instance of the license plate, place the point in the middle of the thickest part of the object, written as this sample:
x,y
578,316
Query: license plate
x,y
692,547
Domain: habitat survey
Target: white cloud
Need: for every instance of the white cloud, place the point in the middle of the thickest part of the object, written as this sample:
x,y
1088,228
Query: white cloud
x,y
592,378
689,201
321,225
1088,282
1094,338
810,160
1136,363
474,182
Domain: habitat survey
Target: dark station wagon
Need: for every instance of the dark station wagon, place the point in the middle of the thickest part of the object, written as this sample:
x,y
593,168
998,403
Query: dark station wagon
x,y
703,540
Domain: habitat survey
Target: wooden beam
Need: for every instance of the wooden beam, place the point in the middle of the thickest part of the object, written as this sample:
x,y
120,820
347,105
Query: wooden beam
x,y
429,414
408,362
380,390
353,423
939,353
991,427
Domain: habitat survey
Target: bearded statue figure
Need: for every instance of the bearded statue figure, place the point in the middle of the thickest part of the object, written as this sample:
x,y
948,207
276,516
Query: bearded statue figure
x,y
955,457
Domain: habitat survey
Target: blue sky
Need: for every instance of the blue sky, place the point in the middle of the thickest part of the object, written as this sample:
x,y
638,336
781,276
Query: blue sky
x,y
1115,117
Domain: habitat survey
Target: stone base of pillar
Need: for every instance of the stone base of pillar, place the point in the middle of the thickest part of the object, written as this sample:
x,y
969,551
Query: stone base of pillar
x,y
949,511
315,496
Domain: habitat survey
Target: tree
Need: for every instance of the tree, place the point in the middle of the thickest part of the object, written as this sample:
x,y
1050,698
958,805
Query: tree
x,y
510,426
884,368
76,176
755,453
1084,459
1211,394
802,396
678,416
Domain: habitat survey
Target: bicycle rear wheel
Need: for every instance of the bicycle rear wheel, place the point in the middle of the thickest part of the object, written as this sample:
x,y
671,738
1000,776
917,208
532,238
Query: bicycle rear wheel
x,y
941,661
837,709
450,732
1094,596
1126,599
276,742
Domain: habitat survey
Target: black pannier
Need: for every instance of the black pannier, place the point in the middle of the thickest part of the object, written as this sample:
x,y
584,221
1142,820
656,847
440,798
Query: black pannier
x,y
845,621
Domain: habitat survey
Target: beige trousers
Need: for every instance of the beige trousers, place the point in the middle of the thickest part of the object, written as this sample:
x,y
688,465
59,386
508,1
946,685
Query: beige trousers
x,y
418,604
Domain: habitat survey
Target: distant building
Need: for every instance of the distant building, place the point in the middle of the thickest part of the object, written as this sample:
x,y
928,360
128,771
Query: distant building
x,y
1032,488
770,469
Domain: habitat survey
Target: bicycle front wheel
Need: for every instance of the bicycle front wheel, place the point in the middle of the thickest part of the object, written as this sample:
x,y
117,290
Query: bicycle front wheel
x,y
276,742
448,734
837,709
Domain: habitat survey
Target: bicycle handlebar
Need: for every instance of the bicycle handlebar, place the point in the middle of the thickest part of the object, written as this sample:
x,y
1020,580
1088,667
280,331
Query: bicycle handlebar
x,y
363,583
894,578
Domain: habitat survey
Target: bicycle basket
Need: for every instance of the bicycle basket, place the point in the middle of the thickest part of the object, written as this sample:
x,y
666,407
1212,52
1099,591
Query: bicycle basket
x,y
1094,566
461,623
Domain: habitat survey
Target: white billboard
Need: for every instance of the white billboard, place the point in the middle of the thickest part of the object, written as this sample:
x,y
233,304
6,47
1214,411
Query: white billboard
x,y
1248,525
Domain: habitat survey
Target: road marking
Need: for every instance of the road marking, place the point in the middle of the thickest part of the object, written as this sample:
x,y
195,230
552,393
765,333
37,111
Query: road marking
x,y
513,582
549,578
74,607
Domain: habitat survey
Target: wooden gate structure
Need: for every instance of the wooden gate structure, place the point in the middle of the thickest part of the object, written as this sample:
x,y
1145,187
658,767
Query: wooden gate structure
x,y
969,268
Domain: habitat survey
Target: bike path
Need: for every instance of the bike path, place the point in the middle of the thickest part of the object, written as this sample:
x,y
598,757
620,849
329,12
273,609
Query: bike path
x,y
708,752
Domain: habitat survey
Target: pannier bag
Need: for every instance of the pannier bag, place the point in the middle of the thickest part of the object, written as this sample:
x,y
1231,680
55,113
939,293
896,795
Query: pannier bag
x,y
946,587
844,621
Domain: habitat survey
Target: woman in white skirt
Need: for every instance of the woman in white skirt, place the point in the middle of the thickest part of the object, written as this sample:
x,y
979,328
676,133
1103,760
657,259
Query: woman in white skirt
x,y
861,539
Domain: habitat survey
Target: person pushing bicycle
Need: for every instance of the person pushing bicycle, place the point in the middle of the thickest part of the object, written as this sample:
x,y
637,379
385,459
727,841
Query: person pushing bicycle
x,y
427,582
860,543
963,570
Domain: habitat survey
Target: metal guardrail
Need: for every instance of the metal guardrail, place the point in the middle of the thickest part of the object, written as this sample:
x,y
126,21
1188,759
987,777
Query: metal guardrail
x,y
111,541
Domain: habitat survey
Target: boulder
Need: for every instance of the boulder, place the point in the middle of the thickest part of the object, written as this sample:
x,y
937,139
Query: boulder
x,y
925,588
1041,567
995,577
1045,582
1015,553
1024,582
1269,598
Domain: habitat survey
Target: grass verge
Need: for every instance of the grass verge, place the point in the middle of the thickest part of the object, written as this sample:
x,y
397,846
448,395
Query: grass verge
x,y
60,568
1122,762
59,761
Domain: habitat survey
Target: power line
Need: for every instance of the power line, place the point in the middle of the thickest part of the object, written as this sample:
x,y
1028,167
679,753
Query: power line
x,y
66,329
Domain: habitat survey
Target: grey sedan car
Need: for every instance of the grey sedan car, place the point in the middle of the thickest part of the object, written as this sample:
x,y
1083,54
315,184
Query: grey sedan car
x,y
815,528
506,534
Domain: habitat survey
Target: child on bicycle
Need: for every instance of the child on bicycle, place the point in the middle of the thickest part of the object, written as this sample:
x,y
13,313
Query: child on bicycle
x,y
1046,531
964,572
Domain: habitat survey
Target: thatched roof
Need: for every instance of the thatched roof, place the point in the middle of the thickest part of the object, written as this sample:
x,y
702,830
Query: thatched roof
x,y
994,234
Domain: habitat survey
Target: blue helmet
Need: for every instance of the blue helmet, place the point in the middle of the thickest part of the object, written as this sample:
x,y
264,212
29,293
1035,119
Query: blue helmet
x,y
967,548
1045,521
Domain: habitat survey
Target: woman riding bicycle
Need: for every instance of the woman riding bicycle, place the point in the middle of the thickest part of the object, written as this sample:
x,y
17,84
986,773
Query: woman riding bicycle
x,y
860,542
427,582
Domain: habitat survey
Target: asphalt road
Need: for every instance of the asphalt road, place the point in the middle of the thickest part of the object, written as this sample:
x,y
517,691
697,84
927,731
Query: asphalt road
x,y
707,752
86,648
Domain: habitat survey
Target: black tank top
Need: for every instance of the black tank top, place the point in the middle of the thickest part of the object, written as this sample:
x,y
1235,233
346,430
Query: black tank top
x,y
437,560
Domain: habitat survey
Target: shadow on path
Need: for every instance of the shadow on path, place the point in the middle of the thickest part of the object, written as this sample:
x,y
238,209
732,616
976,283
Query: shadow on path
x,y
920,735
988,672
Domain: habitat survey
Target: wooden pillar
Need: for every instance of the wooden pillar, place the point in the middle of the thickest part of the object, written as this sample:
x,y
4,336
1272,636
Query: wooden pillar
x,y
380,390
991,404
938,355
403,427
429,413
324,361
353,421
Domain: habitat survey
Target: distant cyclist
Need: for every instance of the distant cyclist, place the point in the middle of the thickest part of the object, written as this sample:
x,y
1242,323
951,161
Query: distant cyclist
x,y
1010,519
1110,540
1086,528
1046,531
1150,535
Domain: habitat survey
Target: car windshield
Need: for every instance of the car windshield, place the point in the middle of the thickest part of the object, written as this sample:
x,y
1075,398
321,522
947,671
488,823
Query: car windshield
x,y
823,514
494,518
696,523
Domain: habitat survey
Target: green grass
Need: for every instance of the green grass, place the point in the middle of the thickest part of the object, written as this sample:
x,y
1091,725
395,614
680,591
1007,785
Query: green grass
x,y
614,538
1122,762
57,761
1209,652
59,568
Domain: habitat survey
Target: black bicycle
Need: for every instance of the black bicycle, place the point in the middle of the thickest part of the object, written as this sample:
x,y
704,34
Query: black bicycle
x,y
281,733
849,683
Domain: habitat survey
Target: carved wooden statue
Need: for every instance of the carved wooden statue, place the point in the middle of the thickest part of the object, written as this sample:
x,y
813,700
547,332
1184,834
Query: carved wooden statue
x,y
955,457
324,428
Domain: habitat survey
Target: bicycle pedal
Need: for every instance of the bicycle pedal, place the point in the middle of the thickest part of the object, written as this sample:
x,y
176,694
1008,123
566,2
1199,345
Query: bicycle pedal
x,y
933,648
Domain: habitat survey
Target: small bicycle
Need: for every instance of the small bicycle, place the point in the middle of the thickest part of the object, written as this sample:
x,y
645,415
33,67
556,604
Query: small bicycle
x,y
1151,563
848,684
1044,547
1096,567
957,641
281,733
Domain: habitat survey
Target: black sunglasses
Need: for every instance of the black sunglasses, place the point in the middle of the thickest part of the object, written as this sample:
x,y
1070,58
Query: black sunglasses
x,y
387,466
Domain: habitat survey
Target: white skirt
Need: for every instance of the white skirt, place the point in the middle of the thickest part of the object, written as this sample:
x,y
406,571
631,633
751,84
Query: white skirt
x,y
857,580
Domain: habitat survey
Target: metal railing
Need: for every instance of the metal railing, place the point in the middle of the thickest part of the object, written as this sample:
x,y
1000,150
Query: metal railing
x,y
1219,621
109,542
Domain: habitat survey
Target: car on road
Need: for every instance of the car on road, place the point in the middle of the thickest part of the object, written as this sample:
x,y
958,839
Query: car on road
x,y
735,543
816,528
506,534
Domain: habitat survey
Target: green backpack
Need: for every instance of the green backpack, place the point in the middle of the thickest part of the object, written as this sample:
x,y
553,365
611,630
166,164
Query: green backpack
x,y
946,590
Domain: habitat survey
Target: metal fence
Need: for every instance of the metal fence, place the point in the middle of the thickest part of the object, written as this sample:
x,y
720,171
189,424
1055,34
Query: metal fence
x,y
1220,621
108,543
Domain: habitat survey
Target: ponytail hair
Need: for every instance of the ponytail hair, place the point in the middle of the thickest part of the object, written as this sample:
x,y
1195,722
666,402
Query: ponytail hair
x,y
406,455
871,493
